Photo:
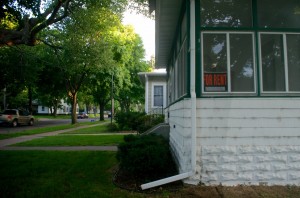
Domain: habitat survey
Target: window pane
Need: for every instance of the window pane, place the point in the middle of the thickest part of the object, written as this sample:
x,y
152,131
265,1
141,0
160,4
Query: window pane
x,y
241,63
278,13
158,95
272,62
158,101
183,28
215,62
226,13
184,63
293,51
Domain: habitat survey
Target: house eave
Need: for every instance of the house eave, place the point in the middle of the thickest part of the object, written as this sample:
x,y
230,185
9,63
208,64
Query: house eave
x,y
167,13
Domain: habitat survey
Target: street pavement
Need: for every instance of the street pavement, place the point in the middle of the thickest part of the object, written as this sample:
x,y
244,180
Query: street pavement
x,y
5,144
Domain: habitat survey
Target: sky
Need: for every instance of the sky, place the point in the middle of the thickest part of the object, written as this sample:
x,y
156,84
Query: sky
x,y
144,27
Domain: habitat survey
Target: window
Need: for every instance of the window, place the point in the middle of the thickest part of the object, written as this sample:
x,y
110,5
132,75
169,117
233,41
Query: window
x,y
228,66
280,62
293,58
158,92
178,68
226,13
278,13
171,89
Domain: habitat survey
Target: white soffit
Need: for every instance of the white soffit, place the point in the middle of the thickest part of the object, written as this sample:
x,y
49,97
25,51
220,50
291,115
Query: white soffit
x,y
166,18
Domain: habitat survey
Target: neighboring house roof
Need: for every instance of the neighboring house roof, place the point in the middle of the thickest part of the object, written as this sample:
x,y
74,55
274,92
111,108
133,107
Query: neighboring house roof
x,y
167,13
155,73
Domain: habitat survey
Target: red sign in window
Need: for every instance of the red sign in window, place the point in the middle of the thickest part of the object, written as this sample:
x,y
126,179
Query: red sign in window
x,y
215,82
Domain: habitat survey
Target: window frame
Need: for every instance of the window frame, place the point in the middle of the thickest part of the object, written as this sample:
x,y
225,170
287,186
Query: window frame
x,y
260,9
229,92
285,56
163,96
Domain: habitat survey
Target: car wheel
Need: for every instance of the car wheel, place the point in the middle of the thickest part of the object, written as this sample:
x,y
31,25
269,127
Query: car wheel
x,y
14,123
31,122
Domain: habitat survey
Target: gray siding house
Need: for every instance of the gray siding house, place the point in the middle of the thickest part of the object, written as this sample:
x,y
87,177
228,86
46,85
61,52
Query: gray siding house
x,y
155,90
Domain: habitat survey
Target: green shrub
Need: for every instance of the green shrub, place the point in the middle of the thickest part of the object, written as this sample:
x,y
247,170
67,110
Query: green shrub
x,y
146,157
148,121
137,121
128,120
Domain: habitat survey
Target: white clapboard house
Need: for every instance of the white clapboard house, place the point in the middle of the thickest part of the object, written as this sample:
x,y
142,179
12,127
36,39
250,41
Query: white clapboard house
x,y
233,87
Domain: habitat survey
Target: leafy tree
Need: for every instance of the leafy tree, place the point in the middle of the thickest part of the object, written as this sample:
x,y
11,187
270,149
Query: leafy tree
x,y
22,20
25,28
132,91
105,82
85,100
121,80
51,85
19,69
84,50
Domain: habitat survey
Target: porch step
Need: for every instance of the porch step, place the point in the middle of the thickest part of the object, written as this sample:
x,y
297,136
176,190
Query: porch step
x,y
162,129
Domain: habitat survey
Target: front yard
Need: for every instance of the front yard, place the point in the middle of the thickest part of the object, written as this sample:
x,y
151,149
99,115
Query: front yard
x,y
90,173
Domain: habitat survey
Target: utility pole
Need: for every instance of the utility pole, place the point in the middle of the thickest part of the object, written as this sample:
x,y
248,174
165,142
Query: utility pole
x,y
112,98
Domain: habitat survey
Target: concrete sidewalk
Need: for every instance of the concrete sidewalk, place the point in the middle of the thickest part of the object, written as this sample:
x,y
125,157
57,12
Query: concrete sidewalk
x,y
5,144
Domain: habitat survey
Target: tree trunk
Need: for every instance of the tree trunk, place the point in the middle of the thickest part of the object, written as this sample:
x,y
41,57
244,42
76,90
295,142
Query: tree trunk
x,y
30,99
101,105
74,104
55,105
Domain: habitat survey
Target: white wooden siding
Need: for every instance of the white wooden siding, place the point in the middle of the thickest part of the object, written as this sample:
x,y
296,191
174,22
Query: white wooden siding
x,y
248,141
180,134
239,140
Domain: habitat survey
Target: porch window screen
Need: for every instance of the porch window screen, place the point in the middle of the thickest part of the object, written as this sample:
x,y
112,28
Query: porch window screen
x,y
226,13
280,62
293,57
278,13
228,65
158,96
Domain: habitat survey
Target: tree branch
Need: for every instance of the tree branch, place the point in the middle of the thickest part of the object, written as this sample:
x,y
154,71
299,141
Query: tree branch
x,y
50,45
32,26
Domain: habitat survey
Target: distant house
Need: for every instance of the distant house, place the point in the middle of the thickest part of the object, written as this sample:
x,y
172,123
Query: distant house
x,y
233,86
155,90
64,108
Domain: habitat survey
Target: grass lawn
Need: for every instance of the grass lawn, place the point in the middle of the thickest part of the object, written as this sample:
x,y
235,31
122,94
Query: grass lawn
x,y
75,140
105,128
59,174
32,131
91,115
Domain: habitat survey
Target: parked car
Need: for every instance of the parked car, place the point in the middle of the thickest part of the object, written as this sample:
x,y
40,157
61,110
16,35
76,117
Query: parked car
x,y
107,114
82,115
15,117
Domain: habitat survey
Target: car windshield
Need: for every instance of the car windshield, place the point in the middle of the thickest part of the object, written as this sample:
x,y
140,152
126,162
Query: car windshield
x,y
10,112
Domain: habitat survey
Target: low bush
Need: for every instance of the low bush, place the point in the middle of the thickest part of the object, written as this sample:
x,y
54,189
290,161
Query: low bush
x,y
148,121
146,157
137,121
128,120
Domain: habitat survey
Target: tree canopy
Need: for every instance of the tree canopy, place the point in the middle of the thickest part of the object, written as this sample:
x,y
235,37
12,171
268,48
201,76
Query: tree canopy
x,y
22,20
86,52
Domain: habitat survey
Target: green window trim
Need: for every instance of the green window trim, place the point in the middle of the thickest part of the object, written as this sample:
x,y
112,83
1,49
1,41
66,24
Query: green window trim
x,y
256,30
226,74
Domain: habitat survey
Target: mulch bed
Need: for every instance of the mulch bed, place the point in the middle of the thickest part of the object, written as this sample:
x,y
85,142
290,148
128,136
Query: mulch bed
x,y
129,182
126,181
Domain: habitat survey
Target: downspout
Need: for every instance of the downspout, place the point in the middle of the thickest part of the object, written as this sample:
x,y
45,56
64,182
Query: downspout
x,y
193,86
193,109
